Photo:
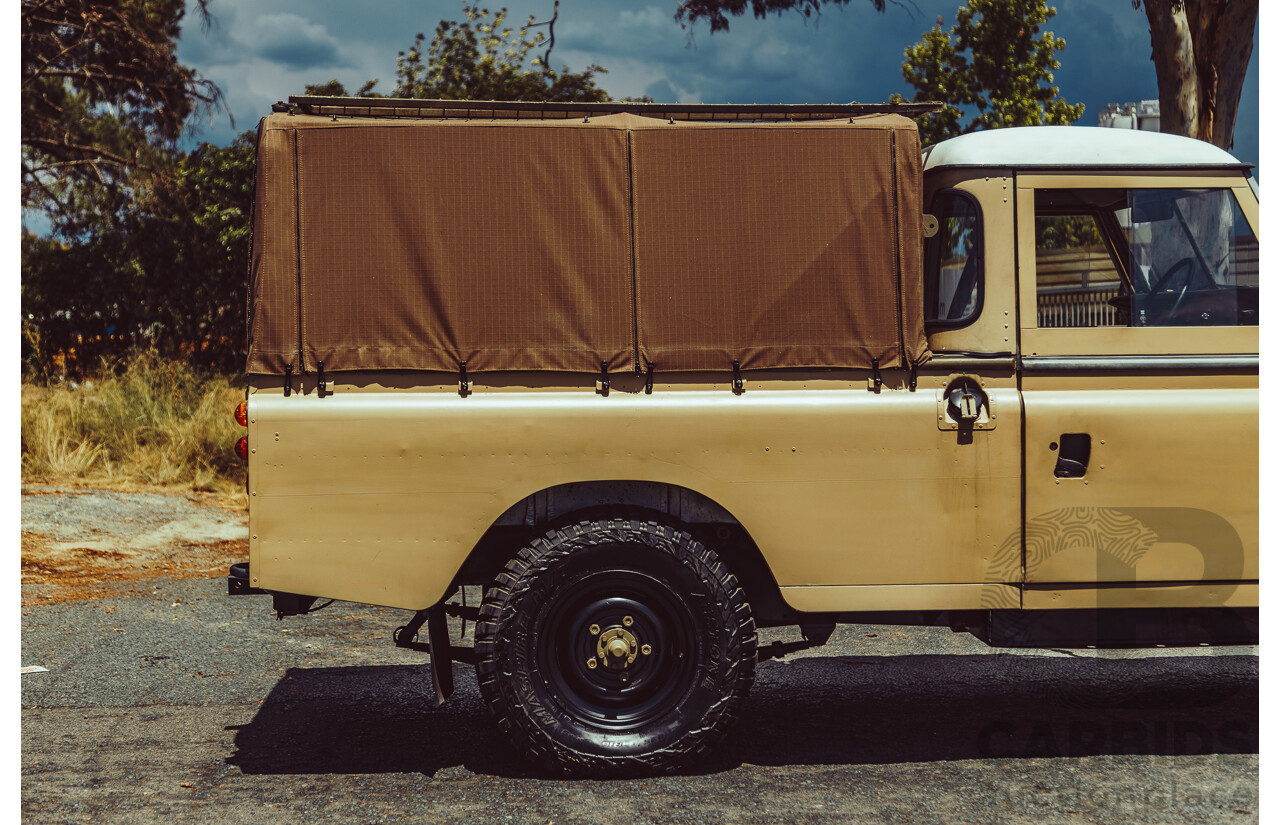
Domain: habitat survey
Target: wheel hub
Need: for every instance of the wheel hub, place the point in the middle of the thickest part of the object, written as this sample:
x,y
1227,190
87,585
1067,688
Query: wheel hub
x,y
617,648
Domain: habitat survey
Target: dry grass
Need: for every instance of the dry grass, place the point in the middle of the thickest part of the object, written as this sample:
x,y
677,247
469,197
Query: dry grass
x,y
144,423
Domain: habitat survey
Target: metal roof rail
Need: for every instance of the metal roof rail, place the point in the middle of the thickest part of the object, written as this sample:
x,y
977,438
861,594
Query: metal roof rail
x,y
390,107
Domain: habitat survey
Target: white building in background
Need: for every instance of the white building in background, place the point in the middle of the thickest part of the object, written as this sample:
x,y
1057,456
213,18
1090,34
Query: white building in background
x,y
1143,115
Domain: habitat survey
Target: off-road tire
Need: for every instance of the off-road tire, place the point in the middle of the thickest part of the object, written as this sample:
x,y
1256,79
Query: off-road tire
x,y
673,704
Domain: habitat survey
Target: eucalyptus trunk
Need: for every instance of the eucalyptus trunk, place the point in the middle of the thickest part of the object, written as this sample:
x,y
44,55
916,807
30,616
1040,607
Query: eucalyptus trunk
x,y
1201,51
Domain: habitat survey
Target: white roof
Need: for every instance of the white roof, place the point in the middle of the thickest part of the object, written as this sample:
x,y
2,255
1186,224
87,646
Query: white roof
x,y
1059,146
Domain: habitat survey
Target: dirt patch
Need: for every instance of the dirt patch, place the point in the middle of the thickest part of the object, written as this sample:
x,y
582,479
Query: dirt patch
x,y
81,543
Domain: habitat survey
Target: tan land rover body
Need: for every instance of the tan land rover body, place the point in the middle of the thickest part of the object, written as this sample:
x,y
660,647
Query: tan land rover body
x,y
653,382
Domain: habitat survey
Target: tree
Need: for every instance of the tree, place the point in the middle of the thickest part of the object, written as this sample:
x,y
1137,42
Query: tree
x,y
1201,51
995,60
1200,48
716,11
167,273
157,256
480,58
334,88
102,92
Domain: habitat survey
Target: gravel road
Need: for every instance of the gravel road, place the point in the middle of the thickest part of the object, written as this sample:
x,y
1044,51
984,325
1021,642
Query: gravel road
x,y
165,700
75,540
104,520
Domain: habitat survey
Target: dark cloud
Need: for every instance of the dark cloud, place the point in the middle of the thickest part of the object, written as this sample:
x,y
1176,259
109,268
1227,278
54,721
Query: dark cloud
x,y
264,50
293,41
662,92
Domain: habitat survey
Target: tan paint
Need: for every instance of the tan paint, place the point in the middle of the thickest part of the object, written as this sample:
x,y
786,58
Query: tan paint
x,y
995,329
1167,467
1131,381
1122,340
1136,340
1233,594
905,597
858,500
1171,489
379,498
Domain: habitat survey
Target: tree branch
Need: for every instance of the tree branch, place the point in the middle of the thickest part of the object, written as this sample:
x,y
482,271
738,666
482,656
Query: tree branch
x,y
39,72
56,147
716,11
551,36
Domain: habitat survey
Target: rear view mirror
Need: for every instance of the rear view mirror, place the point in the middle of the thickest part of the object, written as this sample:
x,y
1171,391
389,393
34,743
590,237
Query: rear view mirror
x,y
1152,205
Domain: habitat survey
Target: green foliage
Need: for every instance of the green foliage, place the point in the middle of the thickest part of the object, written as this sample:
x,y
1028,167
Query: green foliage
x,y
995,60
102,94
167,273
157,257
143,420
334,88
481,58
716,12
1067,232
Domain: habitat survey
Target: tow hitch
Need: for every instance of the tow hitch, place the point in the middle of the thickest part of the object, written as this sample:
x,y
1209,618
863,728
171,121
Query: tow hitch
x,y
238,581
284,604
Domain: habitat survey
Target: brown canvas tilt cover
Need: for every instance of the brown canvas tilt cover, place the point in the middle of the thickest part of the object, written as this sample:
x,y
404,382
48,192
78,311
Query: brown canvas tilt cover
x,y
423,246
793,245
560,245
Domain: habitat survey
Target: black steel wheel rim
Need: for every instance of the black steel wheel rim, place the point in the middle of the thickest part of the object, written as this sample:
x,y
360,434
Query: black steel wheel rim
x,y
609,696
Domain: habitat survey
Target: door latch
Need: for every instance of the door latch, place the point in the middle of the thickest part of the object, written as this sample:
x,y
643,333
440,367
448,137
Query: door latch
x,y
963,404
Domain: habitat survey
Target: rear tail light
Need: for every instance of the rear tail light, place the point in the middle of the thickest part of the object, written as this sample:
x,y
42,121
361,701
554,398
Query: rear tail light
x,y
242,448
242,413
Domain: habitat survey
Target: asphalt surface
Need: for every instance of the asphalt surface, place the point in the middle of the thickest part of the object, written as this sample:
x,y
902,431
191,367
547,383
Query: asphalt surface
x,y
169,701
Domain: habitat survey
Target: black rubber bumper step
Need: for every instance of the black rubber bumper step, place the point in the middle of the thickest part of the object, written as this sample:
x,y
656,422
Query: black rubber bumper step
x,y
238,581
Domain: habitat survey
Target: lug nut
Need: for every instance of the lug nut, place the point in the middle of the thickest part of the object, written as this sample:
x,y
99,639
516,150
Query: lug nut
x,y
627,621
645,649
595,629
591,664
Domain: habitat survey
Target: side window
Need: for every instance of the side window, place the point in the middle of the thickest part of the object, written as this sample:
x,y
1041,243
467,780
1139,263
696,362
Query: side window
x,y
953,262
1193,257
1144,257
1078,281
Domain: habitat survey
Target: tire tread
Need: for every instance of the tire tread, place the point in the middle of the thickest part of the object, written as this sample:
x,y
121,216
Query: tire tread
x,y
534,560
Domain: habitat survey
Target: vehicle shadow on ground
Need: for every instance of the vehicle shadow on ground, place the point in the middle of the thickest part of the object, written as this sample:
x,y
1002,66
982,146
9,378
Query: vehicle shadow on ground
x,y
846,710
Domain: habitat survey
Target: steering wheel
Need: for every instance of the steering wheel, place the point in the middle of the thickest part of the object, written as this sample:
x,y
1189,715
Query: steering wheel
x,y
1167,280
1181,286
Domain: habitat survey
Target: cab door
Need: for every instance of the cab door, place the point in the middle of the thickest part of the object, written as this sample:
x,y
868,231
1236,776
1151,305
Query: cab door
x,y
971,384
1138,363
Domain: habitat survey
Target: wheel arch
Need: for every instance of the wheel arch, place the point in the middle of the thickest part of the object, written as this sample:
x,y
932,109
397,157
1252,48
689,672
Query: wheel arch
x,y
703,517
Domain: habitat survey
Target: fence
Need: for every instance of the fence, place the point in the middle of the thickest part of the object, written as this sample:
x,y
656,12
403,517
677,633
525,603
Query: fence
x,y
1059,307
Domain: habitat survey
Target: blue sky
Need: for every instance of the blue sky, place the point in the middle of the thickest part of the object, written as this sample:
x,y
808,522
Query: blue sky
x,y
260,51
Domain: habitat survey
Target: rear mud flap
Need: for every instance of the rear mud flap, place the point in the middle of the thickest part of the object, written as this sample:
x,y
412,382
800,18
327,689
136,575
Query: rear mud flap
x,y
441,654
437,645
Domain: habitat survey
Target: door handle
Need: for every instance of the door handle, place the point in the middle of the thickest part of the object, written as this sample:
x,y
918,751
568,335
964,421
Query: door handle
x,y
1073,455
